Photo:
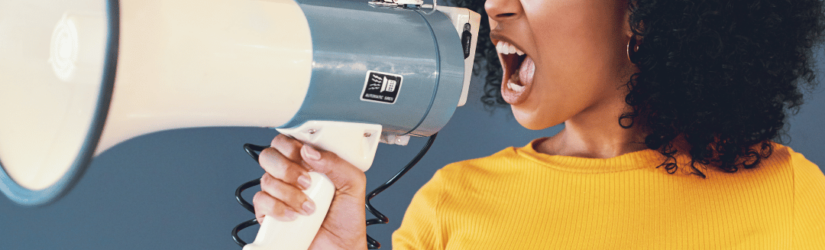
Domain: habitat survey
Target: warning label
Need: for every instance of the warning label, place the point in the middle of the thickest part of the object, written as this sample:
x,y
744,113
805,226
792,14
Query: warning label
x,y
381,87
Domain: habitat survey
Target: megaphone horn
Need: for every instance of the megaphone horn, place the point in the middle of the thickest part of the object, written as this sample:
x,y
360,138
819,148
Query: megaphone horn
x,y
78,77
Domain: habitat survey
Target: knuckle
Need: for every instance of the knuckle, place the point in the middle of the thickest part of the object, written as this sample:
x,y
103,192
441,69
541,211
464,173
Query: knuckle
x,y
297,198
276,165
289,147
279,210
268,157
259,199
256,199
266,180
293,197
292,142
278,139
334,160
294,174
284,213
260,203
360,177
284,192
268,154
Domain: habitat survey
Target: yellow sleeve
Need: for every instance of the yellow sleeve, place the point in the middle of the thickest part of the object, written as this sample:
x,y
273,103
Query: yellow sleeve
x,y
809,204
420,227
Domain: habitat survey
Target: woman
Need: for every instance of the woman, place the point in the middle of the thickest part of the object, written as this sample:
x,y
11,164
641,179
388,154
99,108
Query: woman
x,y
670,109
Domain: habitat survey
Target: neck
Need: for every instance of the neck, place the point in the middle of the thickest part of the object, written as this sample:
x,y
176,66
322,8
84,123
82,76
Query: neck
x,y
595,133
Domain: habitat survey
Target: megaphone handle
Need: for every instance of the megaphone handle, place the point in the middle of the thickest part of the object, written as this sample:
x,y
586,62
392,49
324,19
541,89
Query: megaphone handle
x,y
354,142
299,233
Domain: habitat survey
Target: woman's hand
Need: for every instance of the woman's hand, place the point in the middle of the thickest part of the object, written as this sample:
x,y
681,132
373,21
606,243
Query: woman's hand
x,y
287,162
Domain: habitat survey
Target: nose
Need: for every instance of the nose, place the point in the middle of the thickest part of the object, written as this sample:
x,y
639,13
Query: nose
x,y
500,10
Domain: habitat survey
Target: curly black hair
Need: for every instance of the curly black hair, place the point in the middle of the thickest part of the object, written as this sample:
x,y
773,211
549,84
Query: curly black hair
x,y
720,75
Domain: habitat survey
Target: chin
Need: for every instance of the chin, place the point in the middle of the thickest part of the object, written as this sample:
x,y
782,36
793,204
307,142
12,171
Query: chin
x,y
530,119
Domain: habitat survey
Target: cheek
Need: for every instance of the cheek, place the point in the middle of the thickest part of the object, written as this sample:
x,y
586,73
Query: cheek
x,y
576,59
576,38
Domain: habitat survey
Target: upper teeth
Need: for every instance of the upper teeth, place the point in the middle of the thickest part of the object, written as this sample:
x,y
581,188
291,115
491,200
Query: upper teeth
x,y
507,48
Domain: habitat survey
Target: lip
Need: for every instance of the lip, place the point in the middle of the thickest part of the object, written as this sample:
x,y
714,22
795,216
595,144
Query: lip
x,y
510,96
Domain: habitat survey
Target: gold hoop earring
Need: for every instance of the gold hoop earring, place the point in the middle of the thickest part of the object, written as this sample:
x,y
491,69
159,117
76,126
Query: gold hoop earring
x,y
631,53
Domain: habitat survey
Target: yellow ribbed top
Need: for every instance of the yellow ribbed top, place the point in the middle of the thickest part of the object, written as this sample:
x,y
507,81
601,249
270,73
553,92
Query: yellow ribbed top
x,y
521,199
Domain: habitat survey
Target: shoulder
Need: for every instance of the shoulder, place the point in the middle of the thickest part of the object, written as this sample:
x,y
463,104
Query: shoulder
x,y
783,162
808,179
803,177
481,170
808,201
481,165
785,159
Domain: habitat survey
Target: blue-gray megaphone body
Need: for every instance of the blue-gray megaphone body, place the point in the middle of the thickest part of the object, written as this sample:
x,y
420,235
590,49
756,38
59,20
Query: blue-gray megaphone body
x,y
77,77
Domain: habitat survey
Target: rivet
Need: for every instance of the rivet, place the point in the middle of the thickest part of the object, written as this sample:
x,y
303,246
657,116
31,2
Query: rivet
x,y
312,131
367,134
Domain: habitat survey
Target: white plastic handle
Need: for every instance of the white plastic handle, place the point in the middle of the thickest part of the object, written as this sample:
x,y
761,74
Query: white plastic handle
x,y
299,233
354,142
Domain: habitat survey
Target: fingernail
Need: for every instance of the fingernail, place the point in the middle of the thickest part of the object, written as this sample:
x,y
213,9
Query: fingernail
x,y
309,207
304,181
289,214
311,153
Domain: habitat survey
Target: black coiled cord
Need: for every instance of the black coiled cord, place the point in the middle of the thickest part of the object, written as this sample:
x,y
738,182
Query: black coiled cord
x,y
254,151
381,218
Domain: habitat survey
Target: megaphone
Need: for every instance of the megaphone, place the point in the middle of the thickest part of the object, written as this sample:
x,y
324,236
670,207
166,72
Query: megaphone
x,y
78,77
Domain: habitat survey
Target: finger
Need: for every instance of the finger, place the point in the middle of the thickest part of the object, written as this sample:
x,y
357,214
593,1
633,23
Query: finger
x,y
267,206
344,176
289,147
288,194
278,166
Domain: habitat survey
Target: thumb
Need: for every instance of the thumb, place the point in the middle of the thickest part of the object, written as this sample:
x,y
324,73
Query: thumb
x,y
346,177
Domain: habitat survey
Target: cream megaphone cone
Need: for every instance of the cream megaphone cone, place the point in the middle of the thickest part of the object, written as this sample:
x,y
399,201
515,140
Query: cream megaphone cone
x,y
167,67
78,77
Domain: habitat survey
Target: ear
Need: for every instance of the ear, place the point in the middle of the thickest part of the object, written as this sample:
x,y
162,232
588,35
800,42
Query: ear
x,y
631,6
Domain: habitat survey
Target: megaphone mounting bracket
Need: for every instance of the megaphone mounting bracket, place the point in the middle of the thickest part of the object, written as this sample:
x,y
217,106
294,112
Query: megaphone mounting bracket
x,y
411,4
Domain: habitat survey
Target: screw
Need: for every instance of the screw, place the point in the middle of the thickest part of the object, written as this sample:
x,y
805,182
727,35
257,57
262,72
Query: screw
x,y
367,134
312,131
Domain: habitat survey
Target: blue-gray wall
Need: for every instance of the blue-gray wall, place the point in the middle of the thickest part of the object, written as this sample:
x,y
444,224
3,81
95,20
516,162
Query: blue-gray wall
x,y
174,189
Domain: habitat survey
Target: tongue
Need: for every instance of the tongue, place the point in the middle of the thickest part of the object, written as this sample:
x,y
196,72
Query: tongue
x,y
525,74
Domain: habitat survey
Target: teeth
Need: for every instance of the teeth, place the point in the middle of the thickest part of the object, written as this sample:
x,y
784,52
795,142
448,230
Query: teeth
x,y
532,69
507,49
514,86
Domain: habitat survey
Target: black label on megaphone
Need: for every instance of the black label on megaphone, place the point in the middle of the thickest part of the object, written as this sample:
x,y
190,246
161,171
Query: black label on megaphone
x,y
381,87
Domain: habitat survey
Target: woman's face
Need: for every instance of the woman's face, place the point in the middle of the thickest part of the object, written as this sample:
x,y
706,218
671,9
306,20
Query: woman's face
x,y
574,60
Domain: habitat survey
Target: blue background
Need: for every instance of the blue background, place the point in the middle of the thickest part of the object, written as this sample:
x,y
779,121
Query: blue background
x,y
175,189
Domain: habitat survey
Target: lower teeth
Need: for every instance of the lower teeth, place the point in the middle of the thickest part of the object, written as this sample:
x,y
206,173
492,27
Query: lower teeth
x,y
511,83
514,86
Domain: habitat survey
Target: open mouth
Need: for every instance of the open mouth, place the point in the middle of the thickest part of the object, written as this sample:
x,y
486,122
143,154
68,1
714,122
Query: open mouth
x,y
518,72
512,58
